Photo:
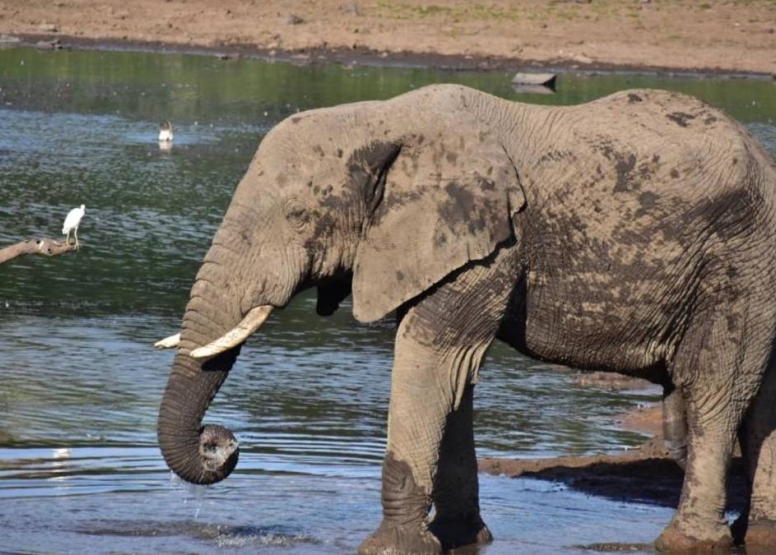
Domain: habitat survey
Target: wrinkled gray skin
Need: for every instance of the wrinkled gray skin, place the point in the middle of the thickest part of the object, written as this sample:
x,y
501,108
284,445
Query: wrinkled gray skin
x,y
634,233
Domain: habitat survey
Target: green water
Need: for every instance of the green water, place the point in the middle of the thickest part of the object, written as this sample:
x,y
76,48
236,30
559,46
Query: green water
x,y
81,384
205,89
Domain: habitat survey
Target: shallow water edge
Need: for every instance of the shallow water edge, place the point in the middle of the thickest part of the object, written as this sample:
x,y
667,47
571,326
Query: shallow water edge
x,y
363,56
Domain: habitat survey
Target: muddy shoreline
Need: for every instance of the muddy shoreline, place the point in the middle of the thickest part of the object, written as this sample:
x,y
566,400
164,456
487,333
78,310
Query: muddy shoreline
x,y
363,56
644,474
730,38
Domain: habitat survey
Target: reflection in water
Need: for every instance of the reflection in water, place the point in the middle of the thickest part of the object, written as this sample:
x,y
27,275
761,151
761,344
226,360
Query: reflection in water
x,y
308,397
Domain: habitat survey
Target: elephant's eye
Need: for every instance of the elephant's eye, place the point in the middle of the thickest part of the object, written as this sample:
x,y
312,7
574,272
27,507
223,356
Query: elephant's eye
x,y
297,215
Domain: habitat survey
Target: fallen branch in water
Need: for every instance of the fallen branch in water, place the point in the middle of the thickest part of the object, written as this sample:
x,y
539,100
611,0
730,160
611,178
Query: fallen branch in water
x,y
45,246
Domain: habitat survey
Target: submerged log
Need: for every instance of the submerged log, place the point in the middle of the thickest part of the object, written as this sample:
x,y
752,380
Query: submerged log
x,y
45,246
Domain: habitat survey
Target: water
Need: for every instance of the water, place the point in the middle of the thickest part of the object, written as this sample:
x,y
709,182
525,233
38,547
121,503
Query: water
x,y
79,468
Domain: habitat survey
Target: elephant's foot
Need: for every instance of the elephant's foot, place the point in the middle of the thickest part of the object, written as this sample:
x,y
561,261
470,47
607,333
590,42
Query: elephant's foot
x,y
706,538
393,539
739,527
460,531
761,537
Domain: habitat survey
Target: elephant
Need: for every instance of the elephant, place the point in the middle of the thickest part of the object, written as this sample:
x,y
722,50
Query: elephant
x,y
631,234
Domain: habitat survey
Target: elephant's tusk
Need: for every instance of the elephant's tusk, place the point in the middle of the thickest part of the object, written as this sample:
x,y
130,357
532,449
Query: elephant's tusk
x,y
168,342
237,335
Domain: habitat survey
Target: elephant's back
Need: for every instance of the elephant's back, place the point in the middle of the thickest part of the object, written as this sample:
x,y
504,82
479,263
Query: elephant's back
x,y
630,199
670,114
678,162
675,127
645,164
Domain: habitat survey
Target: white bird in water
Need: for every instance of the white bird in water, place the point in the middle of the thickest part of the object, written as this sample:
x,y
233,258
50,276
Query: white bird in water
x,y
71,224
165,132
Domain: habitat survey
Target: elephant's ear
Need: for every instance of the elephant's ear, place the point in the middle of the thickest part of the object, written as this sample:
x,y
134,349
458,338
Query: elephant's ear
x,y
443,202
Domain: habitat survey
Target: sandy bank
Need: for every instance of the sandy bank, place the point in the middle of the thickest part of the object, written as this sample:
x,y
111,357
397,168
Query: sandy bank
x,y
731,36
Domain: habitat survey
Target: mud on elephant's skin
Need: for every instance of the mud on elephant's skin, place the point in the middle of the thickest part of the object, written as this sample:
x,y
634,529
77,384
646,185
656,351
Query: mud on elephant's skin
x,y
633,234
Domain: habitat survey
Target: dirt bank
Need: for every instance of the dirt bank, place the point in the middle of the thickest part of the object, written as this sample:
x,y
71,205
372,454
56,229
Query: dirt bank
x,y
729,36
645,474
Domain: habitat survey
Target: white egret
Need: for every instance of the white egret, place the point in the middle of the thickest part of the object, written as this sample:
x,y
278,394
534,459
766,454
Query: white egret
x,y
165,132
71,224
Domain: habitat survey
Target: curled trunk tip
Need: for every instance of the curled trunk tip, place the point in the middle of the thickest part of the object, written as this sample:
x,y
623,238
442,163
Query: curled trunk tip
x,y
217,457
198,454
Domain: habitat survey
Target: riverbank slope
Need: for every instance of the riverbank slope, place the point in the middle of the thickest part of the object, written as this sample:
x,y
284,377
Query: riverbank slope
x,y
725,36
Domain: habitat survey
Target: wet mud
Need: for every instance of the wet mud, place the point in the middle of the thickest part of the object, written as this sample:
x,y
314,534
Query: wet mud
x,y
642,475
645,474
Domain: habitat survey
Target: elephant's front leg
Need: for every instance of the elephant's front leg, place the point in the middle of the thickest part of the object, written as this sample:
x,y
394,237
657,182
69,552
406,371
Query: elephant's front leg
x,y
457,520
439,347
421,399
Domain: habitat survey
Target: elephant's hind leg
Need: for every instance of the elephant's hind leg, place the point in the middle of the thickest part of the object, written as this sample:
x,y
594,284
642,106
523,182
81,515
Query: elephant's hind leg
x,y
758,438
675,425
718,367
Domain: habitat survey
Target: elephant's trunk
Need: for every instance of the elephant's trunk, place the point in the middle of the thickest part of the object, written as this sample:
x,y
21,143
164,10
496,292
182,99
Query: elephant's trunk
x,y
201,455
229,301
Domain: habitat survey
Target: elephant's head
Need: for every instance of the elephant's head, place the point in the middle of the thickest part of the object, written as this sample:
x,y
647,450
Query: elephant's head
x,y
381,198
